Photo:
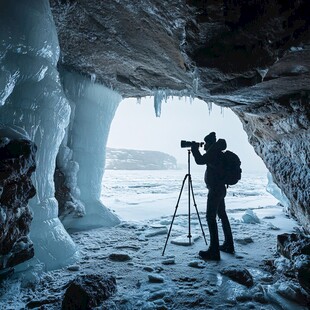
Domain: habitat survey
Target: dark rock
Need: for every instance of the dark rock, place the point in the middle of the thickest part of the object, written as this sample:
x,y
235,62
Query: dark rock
x,y
302,266
240,275
17,163
88,291
39,304
155,278
292,245
119,257
296,248
67,203
6,273
244,241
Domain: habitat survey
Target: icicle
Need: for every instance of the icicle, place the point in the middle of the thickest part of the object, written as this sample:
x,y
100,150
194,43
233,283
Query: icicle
x,y
209,106
138,100
93,77
262,72
195,84
158,98
166,97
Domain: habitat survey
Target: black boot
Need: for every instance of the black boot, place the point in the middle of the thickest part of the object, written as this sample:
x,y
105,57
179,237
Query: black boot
x,y
210,255
227,248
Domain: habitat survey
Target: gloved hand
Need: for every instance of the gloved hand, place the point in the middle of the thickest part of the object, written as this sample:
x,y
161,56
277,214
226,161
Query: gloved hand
x,y
194,146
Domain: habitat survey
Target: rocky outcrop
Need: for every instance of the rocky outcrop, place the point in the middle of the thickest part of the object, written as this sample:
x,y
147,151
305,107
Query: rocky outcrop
x,y
125,159
17,163
296,249
280,135
252,56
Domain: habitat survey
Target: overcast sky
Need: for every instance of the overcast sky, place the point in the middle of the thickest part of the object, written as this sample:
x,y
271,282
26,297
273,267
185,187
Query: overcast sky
x,y
135,126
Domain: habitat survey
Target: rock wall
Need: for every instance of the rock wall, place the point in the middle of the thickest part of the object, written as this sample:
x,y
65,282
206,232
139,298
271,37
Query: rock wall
x,y
17,163
281,139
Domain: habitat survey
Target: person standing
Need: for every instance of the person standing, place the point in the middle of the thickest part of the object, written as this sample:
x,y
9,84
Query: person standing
x,y
214,175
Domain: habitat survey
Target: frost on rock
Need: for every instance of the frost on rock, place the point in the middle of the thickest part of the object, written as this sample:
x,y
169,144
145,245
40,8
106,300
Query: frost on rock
x,y
31,97
82,155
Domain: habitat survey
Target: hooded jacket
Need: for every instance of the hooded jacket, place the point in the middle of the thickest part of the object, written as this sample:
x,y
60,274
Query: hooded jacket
x,y
213,159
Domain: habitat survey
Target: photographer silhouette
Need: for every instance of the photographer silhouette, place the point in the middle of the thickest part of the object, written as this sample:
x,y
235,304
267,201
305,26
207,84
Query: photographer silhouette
x,y
214,179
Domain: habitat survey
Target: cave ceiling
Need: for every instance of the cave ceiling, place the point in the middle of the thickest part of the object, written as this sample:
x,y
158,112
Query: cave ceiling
x,y
228,52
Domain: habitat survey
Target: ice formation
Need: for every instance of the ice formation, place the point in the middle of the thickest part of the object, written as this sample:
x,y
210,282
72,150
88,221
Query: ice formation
x,y
32,98
159,95
83,149
250,217
276,192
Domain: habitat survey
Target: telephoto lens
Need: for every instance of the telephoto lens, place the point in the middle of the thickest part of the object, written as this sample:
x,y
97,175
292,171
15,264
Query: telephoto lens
x,y
186,143
190,143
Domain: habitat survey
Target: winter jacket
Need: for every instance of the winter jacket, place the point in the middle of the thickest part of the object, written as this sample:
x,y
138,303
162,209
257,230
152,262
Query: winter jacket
x,y
213,159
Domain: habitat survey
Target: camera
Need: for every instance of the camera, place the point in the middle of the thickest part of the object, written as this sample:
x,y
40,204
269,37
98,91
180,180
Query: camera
x,y
191,143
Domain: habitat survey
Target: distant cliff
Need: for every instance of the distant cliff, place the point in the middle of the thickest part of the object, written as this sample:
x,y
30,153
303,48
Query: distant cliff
x,y
124,159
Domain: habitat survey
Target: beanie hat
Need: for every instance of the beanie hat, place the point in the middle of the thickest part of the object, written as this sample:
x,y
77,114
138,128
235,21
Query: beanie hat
x,y
210,138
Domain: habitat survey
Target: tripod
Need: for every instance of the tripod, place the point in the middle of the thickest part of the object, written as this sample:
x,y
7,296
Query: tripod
x,y
190,191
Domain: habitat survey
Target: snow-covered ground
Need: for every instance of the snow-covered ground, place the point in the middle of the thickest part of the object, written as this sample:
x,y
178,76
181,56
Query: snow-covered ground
x,y
179,279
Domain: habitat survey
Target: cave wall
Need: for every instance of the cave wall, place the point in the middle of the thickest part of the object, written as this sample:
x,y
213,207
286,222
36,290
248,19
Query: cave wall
x,y
281,139
252,56
17,163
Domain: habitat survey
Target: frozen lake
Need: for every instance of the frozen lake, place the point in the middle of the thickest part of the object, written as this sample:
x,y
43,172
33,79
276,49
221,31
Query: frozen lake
x,y
147,194
146,201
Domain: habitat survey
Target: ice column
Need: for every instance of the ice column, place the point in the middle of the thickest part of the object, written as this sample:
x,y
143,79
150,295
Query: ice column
x,y
93,108
31,97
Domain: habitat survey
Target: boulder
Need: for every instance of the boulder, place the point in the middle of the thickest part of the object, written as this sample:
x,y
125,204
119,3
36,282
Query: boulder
x,y
88,291
239,275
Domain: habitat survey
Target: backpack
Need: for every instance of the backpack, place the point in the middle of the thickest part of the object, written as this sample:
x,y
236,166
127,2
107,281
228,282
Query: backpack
x,y
232,169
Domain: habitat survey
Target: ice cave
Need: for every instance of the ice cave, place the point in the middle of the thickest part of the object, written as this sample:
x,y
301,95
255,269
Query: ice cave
x,y
67,64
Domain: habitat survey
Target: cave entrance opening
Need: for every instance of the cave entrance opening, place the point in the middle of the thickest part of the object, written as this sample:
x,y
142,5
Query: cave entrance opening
x,y
138,187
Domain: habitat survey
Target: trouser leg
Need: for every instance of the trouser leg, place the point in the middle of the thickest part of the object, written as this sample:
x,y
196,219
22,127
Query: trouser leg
x,y
228,238
214,198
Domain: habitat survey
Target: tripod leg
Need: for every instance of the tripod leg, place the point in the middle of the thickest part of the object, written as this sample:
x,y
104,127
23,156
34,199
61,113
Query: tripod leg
x,y
175,211
195,205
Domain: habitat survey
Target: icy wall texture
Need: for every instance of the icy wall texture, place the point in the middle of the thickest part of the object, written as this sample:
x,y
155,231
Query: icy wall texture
x,y
31,97
81,159
17,163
